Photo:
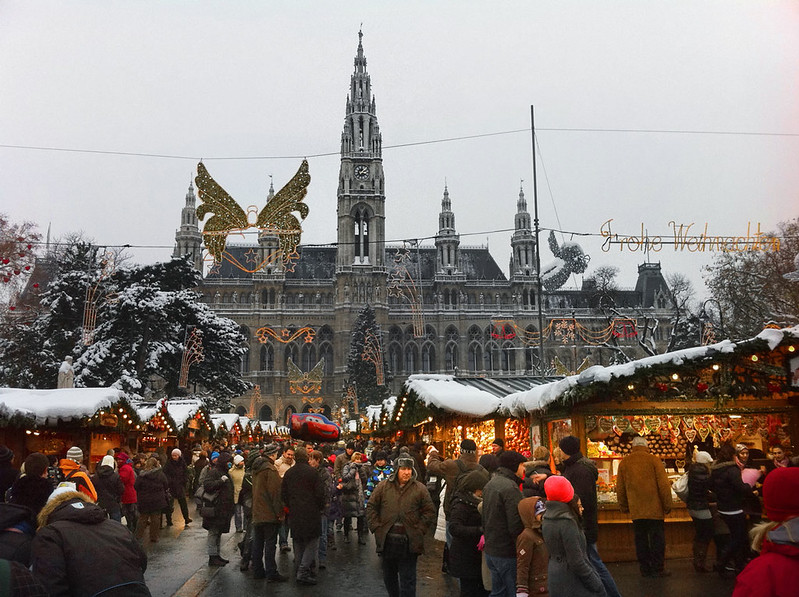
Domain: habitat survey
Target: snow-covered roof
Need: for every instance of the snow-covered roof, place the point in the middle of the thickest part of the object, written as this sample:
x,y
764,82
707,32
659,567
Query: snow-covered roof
x,y
443,391
229,420
48,406
542,396
183,410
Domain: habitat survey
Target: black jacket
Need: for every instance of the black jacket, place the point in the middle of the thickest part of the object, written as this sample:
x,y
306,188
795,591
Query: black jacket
x,y
109,488
176,473
217,479
79,551
151,489
466,526
304,495
531,488
31,492
728,486
583,474
699,486
501,520
17,527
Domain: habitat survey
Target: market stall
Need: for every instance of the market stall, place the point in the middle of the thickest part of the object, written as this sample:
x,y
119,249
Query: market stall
x,y
228,426
745,392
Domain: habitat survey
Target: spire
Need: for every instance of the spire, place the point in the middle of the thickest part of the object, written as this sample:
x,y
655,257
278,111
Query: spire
x,y
446,219
191,199
361,135
271,189
521,204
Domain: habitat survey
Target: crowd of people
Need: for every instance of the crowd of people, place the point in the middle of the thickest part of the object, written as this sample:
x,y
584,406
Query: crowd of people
x,y
513,524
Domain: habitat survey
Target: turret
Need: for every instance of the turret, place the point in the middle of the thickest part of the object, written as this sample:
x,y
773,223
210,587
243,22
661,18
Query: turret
x,y
188,238
522,262
447,239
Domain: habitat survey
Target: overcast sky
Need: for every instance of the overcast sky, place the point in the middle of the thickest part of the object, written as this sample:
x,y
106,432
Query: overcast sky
x,y
230,79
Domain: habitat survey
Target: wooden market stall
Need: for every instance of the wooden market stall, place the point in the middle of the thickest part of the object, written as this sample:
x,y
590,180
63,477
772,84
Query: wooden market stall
x,y
229,428
174,423
745,392
51,421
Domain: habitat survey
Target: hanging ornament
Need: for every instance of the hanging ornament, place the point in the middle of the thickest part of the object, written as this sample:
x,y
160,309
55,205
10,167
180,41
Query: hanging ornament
x,y
606,424
590,422
773,387
653,424
305,383
689,421
622,423
725,434
690,435
704,432
734,424
402,283
638,425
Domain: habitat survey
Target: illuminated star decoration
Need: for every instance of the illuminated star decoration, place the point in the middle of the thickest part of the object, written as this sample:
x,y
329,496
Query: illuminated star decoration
x,y
305,383
286,335
276,218
192,353
401,284
107,268
566,330
373,353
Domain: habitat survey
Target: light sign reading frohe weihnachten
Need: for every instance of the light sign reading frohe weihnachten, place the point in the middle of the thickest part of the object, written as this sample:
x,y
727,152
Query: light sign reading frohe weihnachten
x,y
684,238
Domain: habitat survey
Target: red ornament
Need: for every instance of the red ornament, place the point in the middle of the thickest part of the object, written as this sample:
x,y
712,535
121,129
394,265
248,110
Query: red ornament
x,y
773,387
30,247
5,279
12,308
663,387
16,272
36,285
27,268
5,260
21,254
701,387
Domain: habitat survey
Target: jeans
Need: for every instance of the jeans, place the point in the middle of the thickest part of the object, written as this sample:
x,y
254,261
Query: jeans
x,y
503,575
650,544
238,517
399,575
264,545
604,574
115,515
283,533
323,541
738,548
305,551
213,542
131,514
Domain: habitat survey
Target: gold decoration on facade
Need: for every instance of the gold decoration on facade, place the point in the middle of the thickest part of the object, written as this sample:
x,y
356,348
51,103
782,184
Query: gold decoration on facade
x,y
254,399
373,353
285,336
305,383
570,330
192,353
401,284
276,218
562,369
107,268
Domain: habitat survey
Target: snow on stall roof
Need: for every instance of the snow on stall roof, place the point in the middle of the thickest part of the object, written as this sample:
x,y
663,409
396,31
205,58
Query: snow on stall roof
x,y
441,392
541,396
229,419
183,410
47,406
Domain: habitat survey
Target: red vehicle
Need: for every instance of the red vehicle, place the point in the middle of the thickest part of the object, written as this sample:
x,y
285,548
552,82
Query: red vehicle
x,y
314,427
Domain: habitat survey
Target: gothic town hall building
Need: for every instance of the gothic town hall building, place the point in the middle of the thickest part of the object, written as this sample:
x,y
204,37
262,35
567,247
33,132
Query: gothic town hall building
x,y
446,308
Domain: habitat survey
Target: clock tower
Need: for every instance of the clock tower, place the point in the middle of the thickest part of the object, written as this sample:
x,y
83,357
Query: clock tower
x,y
361,191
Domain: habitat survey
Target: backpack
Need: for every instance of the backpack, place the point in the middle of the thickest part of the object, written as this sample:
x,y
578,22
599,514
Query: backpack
x,y
206,501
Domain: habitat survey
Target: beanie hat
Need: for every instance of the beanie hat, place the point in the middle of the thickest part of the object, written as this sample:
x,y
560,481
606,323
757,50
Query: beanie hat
x,y
178,452
270,449
558,489
703,458
740,448
76,454
781,494
473,480
498,441
64,487
214,456
6,454
570,445
511,459
340,443
405,463
238,459
468,446
35,464
379,455
639,441
107,461
351,445
223,459
122,458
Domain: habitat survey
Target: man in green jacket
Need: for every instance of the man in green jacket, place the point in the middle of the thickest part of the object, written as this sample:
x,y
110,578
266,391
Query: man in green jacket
x,y
267,515
399,513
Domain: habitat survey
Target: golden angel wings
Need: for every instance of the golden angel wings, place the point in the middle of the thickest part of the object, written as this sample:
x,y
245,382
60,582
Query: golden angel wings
x,y
277,217
305,383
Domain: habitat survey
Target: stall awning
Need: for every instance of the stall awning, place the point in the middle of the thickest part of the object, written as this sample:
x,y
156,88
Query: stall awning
x,y
47,407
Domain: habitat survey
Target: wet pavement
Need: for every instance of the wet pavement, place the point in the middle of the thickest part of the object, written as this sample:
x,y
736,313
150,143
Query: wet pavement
x,y
178,567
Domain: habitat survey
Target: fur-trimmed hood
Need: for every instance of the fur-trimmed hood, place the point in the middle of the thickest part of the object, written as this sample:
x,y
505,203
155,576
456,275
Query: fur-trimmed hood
x,y
71,505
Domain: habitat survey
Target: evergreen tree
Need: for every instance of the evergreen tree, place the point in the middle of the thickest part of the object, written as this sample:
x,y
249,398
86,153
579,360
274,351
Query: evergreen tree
x,y
362,373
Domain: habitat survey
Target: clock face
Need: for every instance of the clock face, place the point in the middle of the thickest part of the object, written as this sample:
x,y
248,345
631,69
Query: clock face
x,y
361,172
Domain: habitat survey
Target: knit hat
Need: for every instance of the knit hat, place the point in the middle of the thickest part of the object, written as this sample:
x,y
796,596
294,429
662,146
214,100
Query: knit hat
x,y
214,456
740,448
639,441
223,459
76,454
379,455
405,463
238,459
340,443
570,445
122,458
468,446
270,450
178,452
6,454
63,487
35,464
781,494
511,459
107,461
703,458
350,445
558,489
498,441
473,480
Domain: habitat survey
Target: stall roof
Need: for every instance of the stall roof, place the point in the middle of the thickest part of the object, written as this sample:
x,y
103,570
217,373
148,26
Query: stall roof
x,y
542,396
373,410
48,406
228,419
181,410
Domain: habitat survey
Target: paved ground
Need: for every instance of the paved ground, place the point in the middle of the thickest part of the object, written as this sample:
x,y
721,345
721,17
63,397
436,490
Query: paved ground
x,y
178,567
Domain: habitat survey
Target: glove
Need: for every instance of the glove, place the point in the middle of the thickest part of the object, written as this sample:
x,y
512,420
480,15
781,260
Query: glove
x,y
482,543
224,477
431,449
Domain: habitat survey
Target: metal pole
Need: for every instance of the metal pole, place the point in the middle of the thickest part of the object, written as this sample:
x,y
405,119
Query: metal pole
x,y
537,253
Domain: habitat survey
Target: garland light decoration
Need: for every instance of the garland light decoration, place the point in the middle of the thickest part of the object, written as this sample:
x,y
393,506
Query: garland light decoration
x,y
285,336
401,284
192,353
107,268
276,218
373,353
566,331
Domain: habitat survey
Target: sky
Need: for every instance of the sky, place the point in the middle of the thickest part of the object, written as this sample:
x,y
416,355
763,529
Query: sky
x,y
687,112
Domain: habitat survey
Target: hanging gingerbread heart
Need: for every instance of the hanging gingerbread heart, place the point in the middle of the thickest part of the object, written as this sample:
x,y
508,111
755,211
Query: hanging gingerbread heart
x,y
725,434
735,424
689,421
690,435
652,423
675,421
606,424
638,425
704,432
679,464
622,423
590,422
763,431
617,431
665,432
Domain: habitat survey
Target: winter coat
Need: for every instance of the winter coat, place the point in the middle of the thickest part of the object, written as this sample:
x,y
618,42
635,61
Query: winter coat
x,y
109,489
152,488
8,474
17,528
237,475
199,465
530,488
532,556
128,476
177,474
466,527
570,573
79,551
217,479
31,492
338,466
583,474
450,470
74,474
699,486
775,571
267,502
376,474
303,493
729,486
642,485
501,520
352,496
409,505
328,487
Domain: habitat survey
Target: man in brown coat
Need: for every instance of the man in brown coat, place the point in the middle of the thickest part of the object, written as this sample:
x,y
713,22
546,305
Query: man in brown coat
x,y
643,490
399,513
267,515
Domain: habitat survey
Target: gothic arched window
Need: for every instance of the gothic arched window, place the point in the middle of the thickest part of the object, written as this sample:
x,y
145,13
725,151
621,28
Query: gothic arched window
x,y
267,358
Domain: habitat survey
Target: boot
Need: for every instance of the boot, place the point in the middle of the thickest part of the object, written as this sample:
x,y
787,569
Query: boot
x,y
216,561
700,555
361,538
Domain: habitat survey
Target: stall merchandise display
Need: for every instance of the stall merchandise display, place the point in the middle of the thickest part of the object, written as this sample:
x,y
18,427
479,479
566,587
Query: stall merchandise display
x,y
483,434
517,435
